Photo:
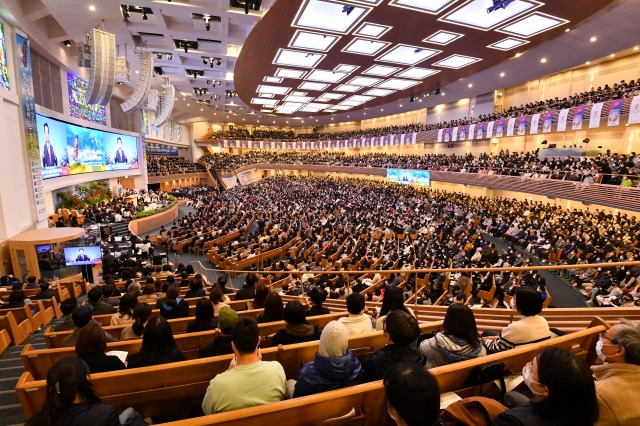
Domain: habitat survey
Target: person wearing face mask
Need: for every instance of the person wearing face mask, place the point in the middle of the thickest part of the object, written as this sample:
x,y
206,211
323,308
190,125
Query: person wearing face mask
x,y
563,392
616,380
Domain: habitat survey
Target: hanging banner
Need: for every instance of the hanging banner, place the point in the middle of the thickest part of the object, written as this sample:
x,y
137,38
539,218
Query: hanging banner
x,y
535,119
472,129
596,114
29,124
499,128
413,138
454,134
359,143
634,110
462,134
522,125
615,109
578,116
367,142
398,139
490,129
547,122
562,120
440,131
511,124
480,129
164,150
447,134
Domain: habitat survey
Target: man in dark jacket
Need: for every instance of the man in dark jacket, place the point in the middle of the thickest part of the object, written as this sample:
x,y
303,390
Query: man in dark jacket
x,y
334,366
401,330
248,290
44,291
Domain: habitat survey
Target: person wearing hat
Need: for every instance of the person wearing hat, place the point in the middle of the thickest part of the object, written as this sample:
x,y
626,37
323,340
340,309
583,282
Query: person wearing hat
x,y
249,381
334,366
221,345
317,298
81,316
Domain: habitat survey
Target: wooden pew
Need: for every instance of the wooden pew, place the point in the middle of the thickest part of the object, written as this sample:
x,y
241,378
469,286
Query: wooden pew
x,y
154,390
18,330
161,389
5,340
38,362
24,314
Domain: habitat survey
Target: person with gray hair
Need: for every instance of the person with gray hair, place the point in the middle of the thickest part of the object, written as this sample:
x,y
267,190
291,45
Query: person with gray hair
x,y
616,387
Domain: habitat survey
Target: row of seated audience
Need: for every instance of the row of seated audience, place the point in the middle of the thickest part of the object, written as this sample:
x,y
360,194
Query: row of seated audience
x,y
165,165
620,90
614,168
563,388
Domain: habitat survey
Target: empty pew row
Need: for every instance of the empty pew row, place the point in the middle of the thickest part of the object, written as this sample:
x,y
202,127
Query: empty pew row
x,y
165,389
38,362
155,390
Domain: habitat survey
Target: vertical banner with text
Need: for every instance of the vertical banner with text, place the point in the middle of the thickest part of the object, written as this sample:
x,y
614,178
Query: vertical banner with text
x,y
29,123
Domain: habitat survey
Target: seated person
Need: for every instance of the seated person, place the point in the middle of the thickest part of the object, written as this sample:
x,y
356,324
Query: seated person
x,y
249,381
91,346
413,396
357,322
532,328
173,306
81,316
615,380
205,320
124,316
221,345
44,291
334,366
196,289
158,345
563,392
66,307
100,307
297,329
317,297
17,299
401,330
273,309
141,314
458,342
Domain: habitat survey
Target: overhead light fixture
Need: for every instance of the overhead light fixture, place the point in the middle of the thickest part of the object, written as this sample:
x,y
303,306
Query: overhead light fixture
x,y
144,15
499,4
92,8
218,62
207,22
587,140
186,47
543,60
126,12
159,56
593,39
67,43
170,56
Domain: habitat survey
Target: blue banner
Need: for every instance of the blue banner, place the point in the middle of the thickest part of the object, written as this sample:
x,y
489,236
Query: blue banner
x,y
166,150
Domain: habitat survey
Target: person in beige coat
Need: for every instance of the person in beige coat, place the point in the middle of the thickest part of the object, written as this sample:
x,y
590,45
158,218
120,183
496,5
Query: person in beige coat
x,y
616,380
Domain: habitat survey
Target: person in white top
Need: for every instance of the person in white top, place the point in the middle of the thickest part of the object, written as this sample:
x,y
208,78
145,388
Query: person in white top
x,y
357,322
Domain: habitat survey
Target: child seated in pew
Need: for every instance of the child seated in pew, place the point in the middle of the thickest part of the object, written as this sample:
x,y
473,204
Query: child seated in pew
x,y
249,381
72,401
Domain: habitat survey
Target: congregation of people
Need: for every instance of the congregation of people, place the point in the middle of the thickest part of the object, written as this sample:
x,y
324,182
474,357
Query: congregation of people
x,y
160,165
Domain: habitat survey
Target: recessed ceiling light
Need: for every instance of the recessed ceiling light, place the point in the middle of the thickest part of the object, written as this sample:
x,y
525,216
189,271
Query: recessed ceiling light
x,y
533,24
298,58
381,109
347,88
346,68
407,55
543,60
313,41
265,95
470,85
272,79
360,98
331,96
381,70
276,90
303,99
567,30
379,92
368,29
325,15
443,37
518,55
289,73
307,85
417,73
593,39
261,101
587,63
397,84
137,72
363,46
92,8
432,6
201,109
636,48
612,55
501,74
326,76
364,81
474,13
456,61
507,43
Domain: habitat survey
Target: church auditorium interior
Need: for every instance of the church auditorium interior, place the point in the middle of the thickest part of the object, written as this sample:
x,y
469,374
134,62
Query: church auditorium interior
x,y
320,212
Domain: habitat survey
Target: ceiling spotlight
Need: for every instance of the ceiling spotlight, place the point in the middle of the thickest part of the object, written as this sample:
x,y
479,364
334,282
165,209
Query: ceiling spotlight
x,y
470,85
544,142
437,91
412,98
593,39
144,15
499,4
159,55
170,56
543,60
501,74
126,12
208,81
218,62
67,43
587,140
92,8
204,61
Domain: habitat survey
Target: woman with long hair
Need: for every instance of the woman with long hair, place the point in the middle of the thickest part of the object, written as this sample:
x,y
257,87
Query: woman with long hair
x,y
71,400
297,329
563,392
158,345
262,291
217,298
392,299
205,319
173,306
458,341
141,314
125,310
91,347
273,309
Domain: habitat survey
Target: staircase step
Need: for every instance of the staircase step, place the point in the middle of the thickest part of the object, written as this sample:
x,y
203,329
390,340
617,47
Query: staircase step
x,y
12,414
9,383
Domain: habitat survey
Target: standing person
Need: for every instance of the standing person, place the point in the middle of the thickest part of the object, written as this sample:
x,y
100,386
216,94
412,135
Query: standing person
x,y
49,158
249,381
120,156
